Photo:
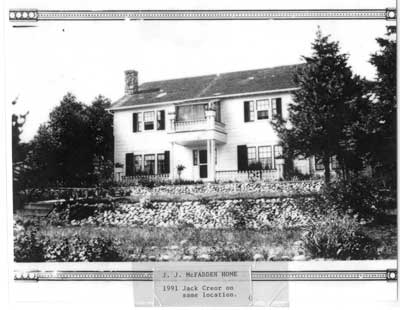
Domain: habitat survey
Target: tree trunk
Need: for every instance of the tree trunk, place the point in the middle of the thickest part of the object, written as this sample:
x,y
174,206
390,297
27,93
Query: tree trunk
x,y
327,170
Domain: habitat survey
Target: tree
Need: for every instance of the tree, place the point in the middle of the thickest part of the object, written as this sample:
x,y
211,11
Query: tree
x,y
327,92
18,148
74,146
19,151
382,118
100,124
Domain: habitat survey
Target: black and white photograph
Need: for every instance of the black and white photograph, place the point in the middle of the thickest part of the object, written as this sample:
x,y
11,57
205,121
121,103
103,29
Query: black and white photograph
x,y
202,155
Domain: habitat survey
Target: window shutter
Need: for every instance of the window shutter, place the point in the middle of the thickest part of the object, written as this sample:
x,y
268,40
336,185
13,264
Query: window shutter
x,y
135,122
166,162
161,120
247,111
279,106
129,165
242,157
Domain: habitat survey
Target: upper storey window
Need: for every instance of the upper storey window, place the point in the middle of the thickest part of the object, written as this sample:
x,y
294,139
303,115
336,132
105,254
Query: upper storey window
x,y
146,120
263,109
191,112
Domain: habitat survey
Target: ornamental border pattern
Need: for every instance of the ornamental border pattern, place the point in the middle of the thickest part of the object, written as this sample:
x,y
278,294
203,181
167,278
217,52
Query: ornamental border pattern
x,y
323,275
35,15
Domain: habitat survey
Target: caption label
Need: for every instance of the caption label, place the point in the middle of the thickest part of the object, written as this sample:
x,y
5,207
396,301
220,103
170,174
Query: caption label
x,y
205,287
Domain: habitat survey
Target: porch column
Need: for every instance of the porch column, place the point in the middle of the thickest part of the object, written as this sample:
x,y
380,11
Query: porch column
x,y
211,159
172,168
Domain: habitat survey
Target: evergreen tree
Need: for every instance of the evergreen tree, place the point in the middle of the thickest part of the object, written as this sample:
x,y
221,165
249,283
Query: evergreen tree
x,y
327,93
382,118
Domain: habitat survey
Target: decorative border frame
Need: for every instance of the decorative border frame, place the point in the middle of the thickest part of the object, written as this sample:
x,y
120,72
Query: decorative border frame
x,y
331,275
35,15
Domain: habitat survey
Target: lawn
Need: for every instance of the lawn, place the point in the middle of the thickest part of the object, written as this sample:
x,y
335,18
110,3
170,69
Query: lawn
x,y
210,226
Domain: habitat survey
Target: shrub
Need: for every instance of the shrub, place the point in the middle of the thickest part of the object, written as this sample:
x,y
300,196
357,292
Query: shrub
x,y
66,211
27,246
230,253
359,196
77,249
338,237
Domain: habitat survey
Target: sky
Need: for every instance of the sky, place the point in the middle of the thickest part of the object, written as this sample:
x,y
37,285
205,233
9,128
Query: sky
x,y
43,63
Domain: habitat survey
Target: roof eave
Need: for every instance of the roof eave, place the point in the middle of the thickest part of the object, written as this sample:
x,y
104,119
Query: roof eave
x,y
203,98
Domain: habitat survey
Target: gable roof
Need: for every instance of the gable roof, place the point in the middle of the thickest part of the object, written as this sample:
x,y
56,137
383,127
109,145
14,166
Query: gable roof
x,y
192,88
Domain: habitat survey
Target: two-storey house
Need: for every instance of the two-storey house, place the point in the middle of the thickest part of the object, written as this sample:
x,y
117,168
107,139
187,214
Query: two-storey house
x,y
217,126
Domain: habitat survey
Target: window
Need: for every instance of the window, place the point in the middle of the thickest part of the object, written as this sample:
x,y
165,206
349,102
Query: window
x,y
161,163
149,163
161,120
263,109
138,164
148,119
265,157
249,111
190,112
276,106
251,155
195,157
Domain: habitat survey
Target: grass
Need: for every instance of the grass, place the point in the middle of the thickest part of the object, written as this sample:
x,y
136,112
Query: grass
x,y
143,244
178,242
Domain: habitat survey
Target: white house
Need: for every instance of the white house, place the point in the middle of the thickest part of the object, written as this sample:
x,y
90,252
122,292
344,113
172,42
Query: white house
x,y
217,126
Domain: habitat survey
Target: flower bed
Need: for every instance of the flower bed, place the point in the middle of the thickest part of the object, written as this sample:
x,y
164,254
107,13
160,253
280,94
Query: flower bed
x,y
269,187
222,214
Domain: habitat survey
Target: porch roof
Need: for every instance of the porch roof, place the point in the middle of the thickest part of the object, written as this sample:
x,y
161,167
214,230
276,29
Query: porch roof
x,y
216,85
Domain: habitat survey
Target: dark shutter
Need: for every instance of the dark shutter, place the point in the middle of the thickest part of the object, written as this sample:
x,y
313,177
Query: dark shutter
x,y
242,157
161,120
135,122
129,165
247,111
166,162
279,106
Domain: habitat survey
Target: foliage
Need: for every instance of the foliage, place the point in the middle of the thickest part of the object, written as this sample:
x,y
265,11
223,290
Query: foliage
x,y
179,169
325,102
361,196
381,121
18,148
27,246
74,147
78,249
338,237
71,210
255,166
19,151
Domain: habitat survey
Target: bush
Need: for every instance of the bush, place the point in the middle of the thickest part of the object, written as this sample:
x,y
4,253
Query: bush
x,y
359,196
77,249
67,211
27,246
338,237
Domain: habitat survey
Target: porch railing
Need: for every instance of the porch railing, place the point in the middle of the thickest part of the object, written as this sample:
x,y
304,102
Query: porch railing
x,y
249,175
179,126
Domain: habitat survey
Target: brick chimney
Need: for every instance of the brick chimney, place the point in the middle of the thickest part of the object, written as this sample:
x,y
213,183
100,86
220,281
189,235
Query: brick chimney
x,y
131,82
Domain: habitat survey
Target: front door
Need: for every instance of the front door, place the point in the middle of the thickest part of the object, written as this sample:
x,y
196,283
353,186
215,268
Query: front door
x,y
203,164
